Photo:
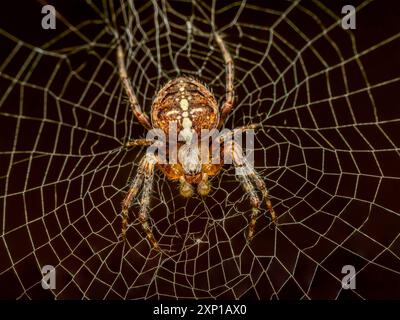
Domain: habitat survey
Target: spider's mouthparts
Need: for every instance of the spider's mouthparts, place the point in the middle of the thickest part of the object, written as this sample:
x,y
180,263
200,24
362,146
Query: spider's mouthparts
x,y
203,188
190,159
186,189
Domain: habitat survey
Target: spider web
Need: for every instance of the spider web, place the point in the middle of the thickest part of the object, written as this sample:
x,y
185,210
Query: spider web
x,y
328,150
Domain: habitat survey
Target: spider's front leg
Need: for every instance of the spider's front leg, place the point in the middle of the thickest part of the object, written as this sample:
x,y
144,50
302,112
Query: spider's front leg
x,y
123,74
250,181
230,76
145,176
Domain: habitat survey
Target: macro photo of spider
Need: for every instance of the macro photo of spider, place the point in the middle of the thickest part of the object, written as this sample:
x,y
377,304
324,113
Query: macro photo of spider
x,y
192,107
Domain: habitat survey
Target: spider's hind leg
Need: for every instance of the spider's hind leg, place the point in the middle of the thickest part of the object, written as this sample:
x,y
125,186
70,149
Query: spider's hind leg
x,y
144,210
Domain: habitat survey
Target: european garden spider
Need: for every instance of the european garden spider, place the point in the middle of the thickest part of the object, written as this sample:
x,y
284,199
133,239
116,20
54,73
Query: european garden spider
x,y
192,107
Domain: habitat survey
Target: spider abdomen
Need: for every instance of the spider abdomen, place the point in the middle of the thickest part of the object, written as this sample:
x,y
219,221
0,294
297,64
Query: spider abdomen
x,y
186,102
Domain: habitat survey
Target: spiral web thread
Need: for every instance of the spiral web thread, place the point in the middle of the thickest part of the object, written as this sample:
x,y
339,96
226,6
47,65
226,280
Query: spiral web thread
x,y
328,151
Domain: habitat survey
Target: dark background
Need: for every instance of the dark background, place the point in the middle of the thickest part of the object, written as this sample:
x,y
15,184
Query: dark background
x,y
329,154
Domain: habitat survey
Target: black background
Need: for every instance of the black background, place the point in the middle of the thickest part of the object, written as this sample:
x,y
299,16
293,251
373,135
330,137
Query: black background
x,y
71,221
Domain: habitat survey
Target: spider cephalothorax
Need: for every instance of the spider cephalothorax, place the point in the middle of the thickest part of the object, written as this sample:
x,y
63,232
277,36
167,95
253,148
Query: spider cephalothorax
x,y
189,106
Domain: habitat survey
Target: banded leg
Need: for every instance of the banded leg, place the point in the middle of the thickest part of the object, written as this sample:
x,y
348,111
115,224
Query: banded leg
x,y
144,176
263,188
254,201
126,203
251,181
230,74
139,142
137,111
144,209
239,130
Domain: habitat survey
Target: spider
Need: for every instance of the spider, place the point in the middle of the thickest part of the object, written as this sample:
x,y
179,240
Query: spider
x,y
192,107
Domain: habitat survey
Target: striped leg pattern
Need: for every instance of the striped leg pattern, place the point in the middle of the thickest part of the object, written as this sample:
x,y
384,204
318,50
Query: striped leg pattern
x,y
143,181
251,182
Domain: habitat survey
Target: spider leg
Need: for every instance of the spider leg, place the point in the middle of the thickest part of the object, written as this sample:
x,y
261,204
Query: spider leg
x,y
138,142
230,74
145,204
126,203
239,130
137,111
145,175
254,201
250,179
263,188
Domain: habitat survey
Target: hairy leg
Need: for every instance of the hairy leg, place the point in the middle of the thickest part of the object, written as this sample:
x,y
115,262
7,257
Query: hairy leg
x,y
145,205
230,74
251,181
254,201
138,142
137,111
239,130
145,177
126,203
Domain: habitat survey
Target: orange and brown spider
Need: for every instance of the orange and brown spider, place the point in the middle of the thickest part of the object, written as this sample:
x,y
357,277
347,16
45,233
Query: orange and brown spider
x,y
191,107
